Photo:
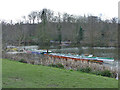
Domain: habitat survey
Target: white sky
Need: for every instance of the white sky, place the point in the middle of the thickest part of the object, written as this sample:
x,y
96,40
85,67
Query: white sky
x,y
15,9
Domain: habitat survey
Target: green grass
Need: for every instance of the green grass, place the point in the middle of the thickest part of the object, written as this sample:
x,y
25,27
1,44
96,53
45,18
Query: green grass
x,y
21,75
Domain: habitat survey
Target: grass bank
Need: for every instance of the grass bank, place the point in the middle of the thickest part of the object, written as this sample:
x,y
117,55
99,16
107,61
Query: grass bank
x,y
21,75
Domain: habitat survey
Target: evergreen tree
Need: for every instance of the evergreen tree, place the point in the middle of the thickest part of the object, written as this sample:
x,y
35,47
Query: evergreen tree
x,y
80,35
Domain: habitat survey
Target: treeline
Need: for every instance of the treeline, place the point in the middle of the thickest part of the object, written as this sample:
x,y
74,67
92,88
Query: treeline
x,y
41,27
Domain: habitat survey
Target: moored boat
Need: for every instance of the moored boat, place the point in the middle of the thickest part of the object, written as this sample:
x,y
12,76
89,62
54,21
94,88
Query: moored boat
x,y
35,51
81,57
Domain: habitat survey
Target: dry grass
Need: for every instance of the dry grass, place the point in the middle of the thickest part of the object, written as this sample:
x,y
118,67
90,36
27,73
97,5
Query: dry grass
x,y
68,64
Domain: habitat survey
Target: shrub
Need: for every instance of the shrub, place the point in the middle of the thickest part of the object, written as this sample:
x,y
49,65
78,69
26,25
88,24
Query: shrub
x,y
52,65
23,61
32,61
71,70
87,69
103,73
96,72
56,65
59,65
106,73
113,74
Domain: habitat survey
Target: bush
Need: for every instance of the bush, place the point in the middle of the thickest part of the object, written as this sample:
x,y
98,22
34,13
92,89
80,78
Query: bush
x,y
23,61
87,69
103,73
113,74
71,70
96,72
106,73
56,65
59,65
52,65
32,61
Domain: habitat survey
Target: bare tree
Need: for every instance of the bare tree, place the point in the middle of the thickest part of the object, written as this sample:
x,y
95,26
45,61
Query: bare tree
x,y
24,17
38,17
32,16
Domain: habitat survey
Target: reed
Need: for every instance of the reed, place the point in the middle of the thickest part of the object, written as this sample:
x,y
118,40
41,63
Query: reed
x,y
67,63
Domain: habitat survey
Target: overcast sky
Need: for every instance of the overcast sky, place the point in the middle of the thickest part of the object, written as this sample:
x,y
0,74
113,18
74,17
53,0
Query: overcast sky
x,y
15,9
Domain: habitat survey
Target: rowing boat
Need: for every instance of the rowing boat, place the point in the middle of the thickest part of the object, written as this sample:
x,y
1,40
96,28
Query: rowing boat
x,y
35,51
81,57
